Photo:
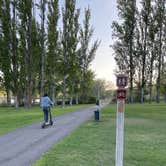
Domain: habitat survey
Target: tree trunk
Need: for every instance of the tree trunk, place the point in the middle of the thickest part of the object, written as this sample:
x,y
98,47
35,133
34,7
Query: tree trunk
x,y
142,94
64,91
71,100
150,91
71,97
16,102
8,98
77,99
151,76
53,95
131,67
25,98
64,73
139,82
30,96
131,87
159,68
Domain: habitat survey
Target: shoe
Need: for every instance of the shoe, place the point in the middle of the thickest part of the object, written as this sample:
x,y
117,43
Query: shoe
x,y
47,123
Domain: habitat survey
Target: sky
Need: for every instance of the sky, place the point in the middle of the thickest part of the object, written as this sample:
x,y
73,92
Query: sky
x,y
103,13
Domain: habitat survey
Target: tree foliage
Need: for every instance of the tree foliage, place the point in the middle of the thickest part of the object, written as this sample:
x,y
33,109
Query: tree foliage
x,y
139,45
37,55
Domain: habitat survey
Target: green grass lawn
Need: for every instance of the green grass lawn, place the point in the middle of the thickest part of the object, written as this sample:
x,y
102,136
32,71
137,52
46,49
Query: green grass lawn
x,y
93,143
11,119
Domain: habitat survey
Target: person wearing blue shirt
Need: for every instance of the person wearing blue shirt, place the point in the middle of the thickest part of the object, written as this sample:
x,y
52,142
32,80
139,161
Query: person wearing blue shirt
x,y
45,105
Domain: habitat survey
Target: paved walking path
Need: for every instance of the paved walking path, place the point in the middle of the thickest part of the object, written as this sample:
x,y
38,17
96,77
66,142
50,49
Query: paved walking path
x,y
25,145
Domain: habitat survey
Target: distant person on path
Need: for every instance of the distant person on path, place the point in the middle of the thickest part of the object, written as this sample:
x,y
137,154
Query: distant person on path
x,y
45,105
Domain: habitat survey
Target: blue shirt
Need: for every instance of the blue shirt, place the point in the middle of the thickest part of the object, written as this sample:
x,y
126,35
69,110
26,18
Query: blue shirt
x,y
45,101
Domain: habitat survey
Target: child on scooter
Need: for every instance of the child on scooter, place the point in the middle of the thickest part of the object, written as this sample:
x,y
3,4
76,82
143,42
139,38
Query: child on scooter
x,y
45,105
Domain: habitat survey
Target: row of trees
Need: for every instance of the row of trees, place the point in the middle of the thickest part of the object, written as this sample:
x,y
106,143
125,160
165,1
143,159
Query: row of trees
x,y
37,55
140,47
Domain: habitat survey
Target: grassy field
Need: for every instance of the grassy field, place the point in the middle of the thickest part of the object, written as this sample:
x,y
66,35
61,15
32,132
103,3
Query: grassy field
x,y
11,119
93,144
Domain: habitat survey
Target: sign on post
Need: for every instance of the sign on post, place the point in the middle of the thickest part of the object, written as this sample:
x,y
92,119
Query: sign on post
x,y
121,96
121,93
121,81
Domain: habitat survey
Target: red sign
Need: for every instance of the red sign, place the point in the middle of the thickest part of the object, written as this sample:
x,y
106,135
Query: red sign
x,y
121,81
121,93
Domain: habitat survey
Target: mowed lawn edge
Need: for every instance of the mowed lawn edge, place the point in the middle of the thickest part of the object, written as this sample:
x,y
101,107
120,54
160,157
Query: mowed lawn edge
x,y
93,143
11,119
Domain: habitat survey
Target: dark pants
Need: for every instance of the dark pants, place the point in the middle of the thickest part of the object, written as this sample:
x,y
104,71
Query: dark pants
x,y
45,110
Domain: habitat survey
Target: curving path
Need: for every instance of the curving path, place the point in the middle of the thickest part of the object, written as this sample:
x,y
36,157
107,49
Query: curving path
x,y
25,145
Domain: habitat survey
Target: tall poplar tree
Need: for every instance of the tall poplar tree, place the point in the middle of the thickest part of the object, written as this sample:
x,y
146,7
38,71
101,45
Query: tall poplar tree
x,y
152,50
1,34
86,54
160,18
73,69
151,45
124,33
25,15
52,56
68,41
145,18
43,38
14,53
6,47
36,57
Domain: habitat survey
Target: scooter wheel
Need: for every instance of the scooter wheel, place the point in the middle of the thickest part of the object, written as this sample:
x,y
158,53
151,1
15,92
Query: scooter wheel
x,y
43,125
51,123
